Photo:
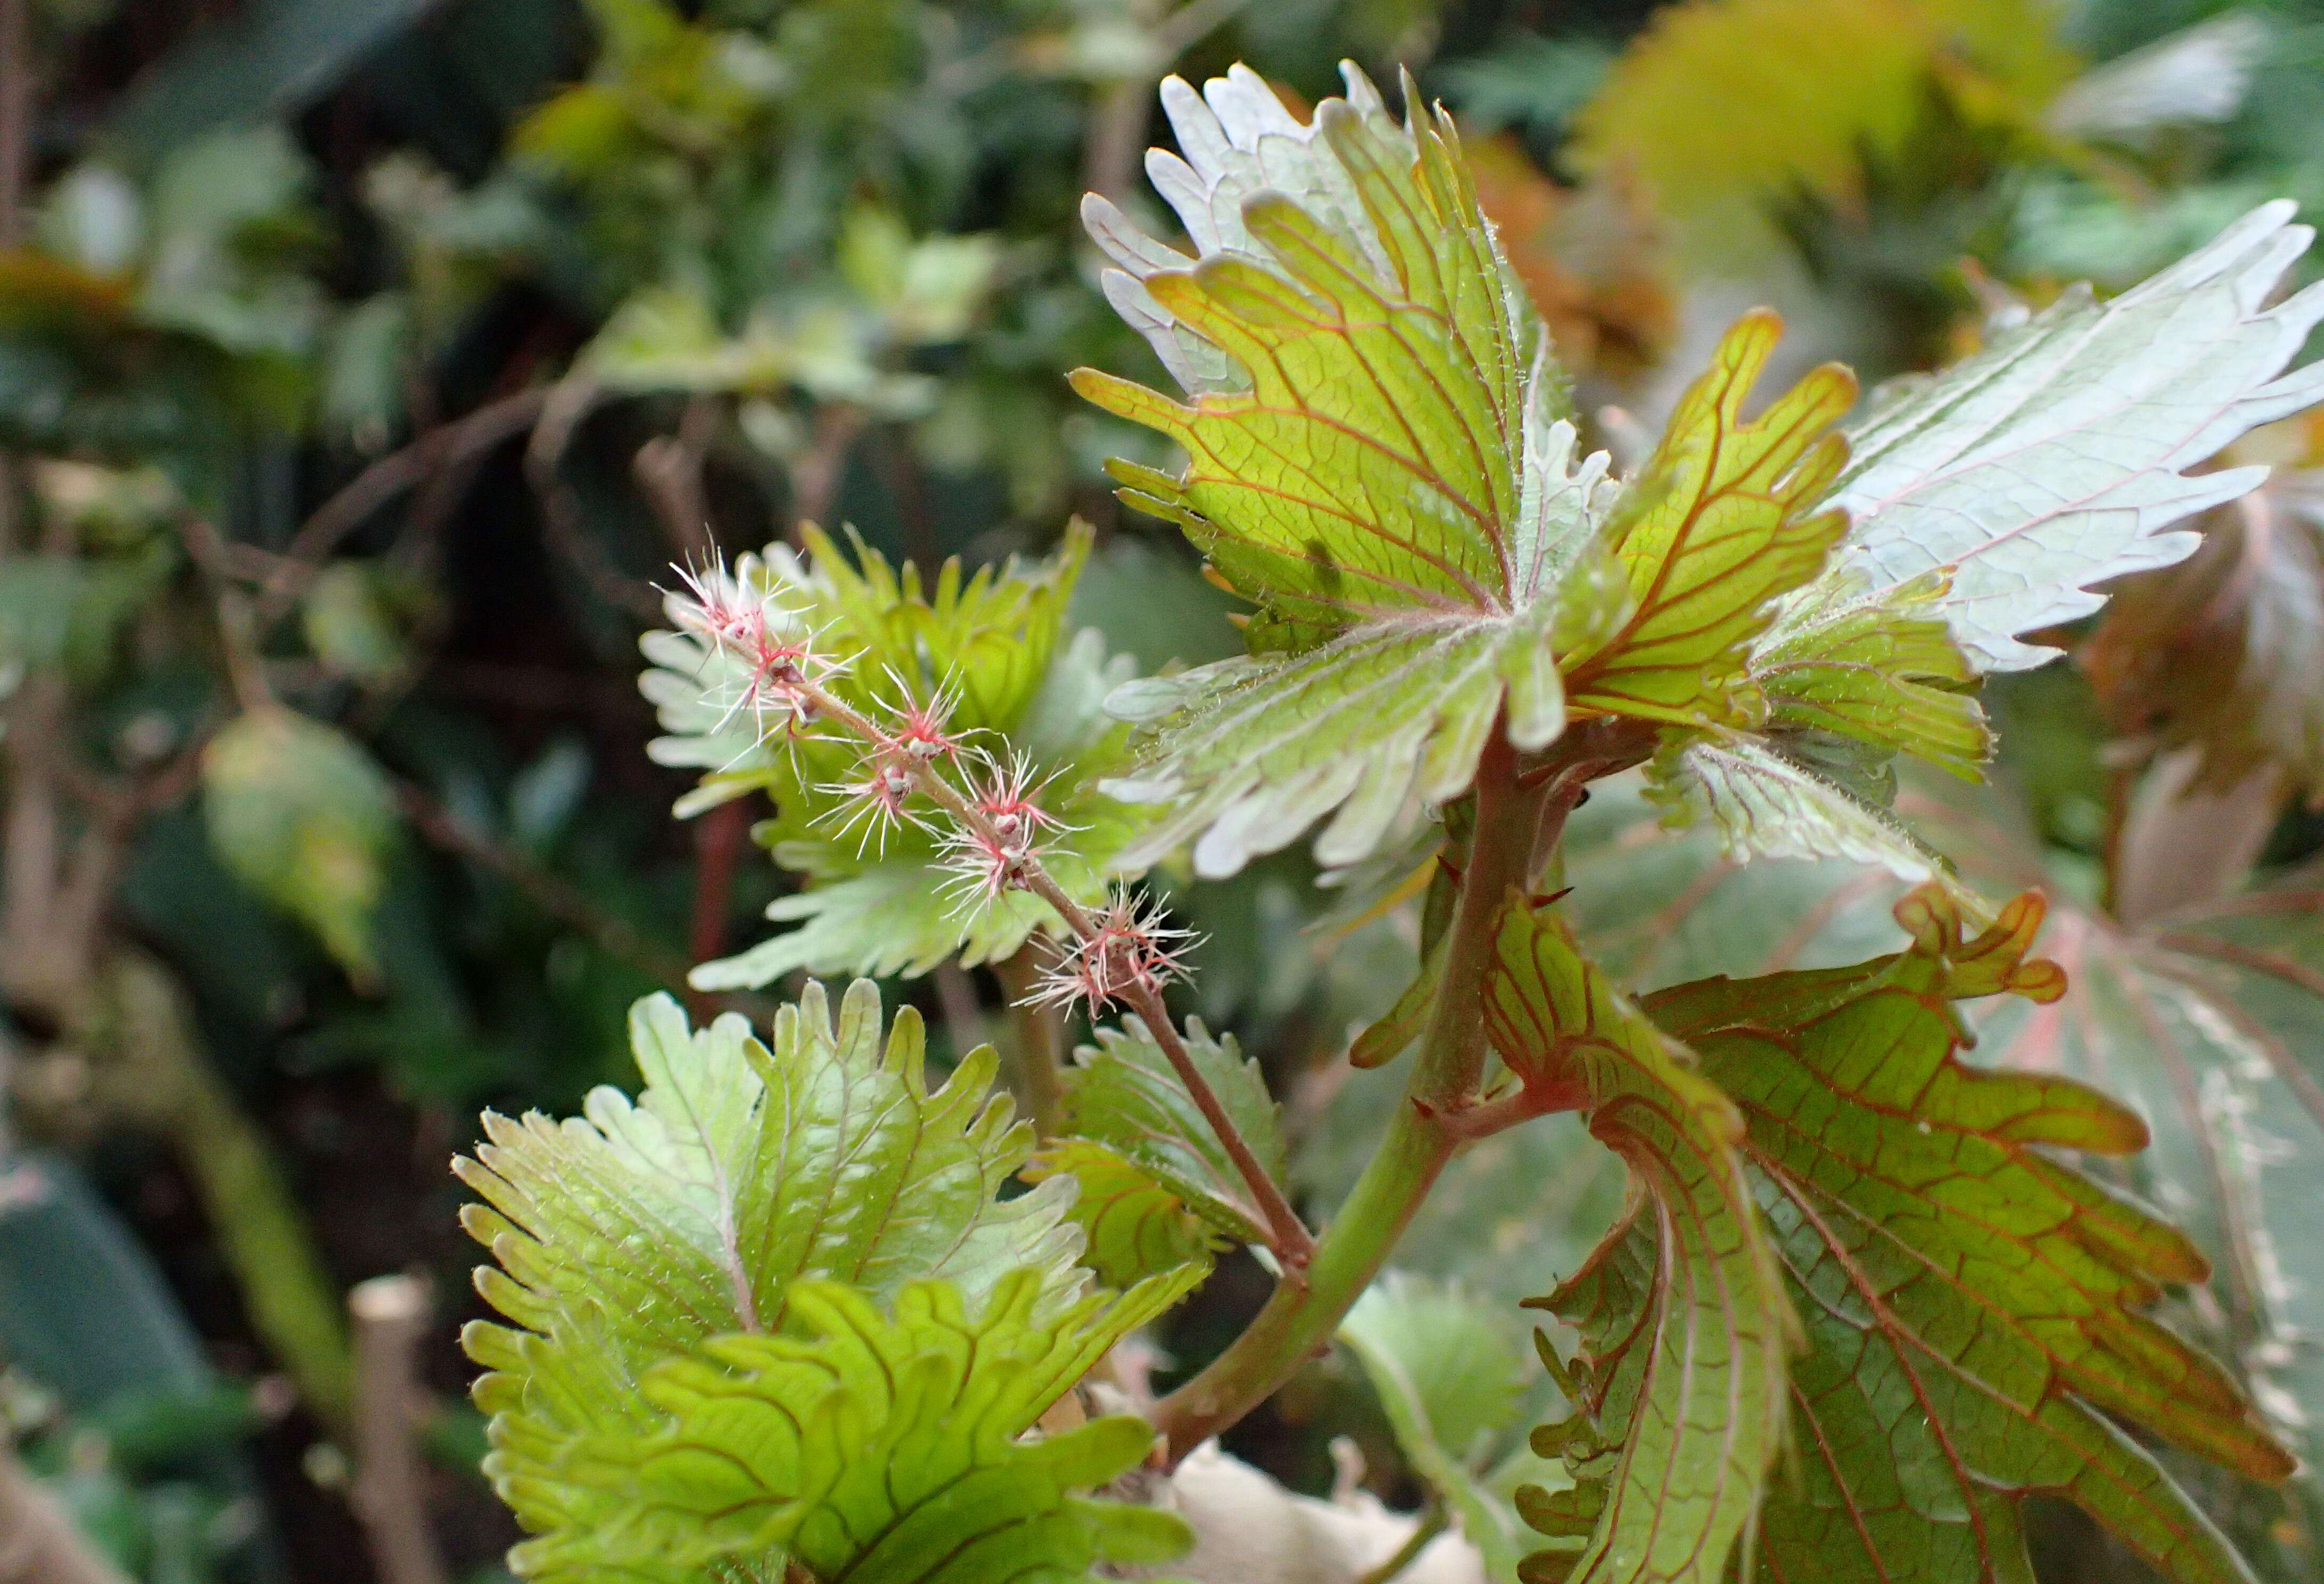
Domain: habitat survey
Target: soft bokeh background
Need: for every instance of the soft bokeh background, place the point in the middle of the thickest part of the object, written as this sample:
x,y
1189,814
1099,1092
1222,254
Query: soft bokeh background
x,y
364,363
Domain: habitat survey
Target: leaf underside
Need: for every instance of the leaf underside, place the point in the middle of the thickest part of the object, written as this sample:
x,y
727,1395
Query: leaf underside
x,y
2056,458
1680,1309
1973,1306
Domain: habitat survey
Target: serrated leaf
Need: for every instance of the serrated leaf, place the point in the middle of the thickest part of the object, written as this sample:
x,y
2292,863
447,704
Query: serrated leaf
x,y
886,1450
1765,804
1450,1376
1123,1098
637,1231
1878,672
301,814
2205,1025
1356,456
1680,1309
1378,723
1135,1226
2225,652
1971,1302
1717,526
2057,459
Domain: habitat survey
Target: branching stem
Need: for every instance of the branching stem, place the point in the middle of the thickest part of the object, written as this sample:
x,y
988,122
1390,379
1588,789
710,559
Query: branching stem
x,y
1299,1319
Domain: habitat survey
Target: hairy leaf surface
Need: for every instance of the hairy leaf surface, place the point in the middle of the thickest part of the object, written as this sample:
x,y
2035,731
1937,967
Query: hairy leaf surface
x,y
1681,1311
1765,804
1971,1302
2057,459
1378,723
1885,674
637,1231
1378,457
1367,464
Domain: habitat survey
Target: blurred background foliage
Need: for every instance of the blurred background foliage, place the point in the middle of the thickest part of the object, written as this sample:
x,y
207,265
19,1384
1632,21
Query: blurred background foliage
x,y
364,363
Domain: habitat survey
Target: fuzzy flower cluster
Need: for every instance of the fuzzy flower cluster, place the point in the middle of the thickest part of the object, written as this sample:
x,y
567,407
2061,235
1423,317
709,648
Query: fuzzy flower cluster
x,y
1129,950
774,646
998,847
984,810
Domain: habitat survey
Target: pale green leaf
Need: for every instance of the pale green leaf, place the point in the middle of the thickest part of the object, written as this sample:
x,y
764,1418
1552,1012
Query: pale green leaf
x,y
2057,457
886,1450
638,1232
1135,1226
1123,1097
1366,463
1765,804
301,814
1883,673
1450,1375
1378,724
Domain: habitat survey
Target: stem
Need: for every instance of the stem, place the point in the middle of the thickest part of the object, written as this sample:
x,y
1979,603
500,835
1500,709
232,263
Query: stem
x,y
1300,1318
1432,1523
1288,1237
445,447
1034,1052
390,1316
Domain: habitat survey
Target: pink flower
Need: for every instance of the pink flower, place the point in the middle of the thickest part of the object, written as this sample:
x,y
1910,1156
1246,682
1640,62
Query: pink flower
x,y
1004,796
1131,949
876,801
924,730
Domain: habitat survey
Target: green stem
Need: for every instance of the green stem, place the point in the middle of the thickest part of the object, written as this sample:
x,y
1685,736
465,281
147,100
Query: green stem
x,y
1033,1044
1300,1317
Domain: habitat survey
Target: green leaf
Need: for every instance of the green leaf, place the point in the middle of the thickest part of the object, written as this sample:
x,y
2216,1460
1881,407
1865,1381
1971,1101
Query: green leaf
x,y
1379,723
302,815
1878,672
886,1450
2056,458
1353,347
1973,1304
1765,804
2205,1026
1125,1100
1716,526
68,610
1681,1311
1135,1226
1450,1376
637,1232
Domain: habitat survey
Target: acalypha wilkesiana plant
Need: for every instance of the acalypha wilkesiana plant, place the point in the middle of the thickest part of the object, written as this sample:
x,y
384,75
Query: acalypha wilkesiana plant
x,y
785,1314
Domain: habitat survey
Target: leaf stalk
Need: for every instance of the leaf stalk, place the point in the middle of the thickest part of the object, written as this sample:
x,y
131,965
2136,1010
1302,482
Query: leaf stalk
x,y
1300,1318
